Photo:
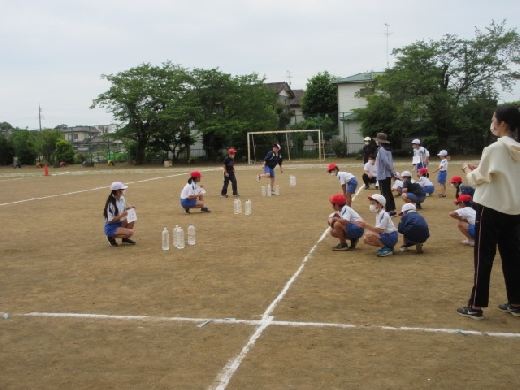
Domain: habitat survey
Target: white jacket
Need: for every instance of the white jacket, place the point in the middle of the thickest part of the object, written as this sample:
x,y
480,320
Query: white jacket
x,y
497,178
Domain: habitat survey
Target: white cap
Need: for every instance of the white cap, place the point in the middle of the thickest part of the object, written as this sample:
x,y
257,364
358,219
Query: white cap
x,y
442,153
378,198
416,141
368,139
406,174
117,185
407,207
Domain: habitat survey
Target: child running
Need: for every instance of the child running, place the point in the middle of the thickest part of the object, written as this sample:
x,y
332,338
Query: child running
x,y
342,224
466,216
413,227
347,180
384,234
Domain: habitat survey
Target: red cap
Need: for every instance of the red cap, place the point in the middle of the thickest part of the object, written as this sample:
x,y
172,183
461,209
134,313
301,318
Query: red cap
x,y
423,170
338,199
331,167
456,179
231,151
463,198
195,174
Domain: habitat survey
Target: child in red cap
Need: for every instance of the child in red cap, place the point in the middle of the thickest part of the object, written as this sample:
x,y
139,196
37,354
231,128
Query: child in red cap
x,y
342,224
466,216
229,174
347,180
425,181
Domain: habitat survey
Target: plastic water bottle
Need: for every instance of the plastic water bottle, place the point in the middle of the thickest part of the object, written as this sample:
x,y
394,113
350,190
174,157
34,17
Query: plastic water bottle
x,y
165,240
238,206
191,234
263,190
269,190
174,234
292,181
180,238
248,207
276,189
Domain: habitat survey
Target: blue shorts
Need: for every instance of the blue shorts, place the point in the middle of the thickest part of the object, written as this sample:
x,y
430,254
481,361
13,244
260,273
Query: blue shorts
x,y
188,203
352,185
429,189
353,231
471,230
111,228
389,239
415,198
268,170
420,166
441,177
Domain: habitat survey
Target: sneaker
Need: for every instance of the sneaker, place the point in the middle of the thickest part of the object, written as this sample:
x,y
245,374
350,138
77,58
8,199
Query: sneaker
x,y
205,210
392,213
340,247
427,194
442,196
418,248
236,195
468,242
471,313
186,210
128,241
508,308
353,243
403,248
383,252
224,196
258,177
112,241
273,193
418,206
367,187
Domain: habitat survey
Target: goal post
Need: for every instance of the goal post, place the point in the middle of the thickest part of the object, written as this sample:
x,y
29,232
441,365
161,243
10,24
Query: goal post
x,y
251,134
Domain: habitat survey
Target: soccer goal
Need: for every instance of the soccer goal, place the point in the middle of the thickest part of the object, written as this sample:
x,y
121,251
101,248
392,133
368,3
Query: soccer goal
x,y
309,146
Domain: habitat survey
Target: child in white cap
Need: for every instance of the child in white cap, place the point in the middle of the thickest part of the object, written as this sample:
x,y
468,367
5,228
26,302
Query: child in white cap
x,y
443,172
115,212
413,227
384,233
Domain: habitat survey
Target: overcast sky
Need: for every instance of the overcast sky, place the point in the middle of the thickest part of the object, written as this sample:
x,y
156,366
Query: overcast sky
x,y
53,52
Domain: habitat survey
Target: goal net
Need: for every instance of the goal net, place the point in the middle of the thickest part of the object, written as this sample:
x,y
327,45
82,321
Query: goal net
x,y
296,144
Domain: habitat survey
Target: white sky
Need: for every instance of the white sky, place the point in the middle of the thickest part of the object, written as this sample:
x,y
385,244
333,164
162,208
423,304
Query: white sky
x,y
53,52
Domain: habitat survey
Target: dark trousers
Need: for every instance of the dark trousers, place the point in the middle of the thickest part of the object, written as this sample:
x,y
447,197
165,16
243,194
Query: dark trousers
x,y
368,180
492,229
231,178
386,190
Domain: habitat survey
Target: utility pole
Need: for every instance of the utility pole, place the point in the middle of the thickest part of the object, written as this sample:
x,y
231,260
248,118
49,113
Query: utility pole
x,y
40,122
387,35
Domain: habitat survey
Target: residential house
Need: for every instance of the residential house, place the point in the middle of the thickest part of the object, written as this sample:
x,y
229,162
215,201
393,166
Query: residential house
x,y
284,92
295,106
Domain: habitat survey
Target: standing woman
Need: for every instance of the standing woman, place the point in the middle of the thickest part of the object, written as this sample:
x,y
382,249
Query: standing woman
x,y
385,171
497,181
192,195
116,225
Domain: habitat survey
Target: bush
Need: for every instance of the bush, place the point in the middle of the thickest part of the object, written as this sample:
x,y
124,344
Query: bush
x,y
339,148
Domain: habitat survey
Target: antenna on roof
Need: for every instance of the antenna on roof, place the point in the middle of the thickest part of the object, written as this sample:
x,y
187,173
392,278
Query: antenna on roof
x,y
387,35
289,76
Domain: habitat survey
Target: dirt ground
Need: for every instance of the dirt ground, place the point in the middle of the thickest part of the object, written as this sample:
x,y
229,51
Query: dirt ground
x,y
287,312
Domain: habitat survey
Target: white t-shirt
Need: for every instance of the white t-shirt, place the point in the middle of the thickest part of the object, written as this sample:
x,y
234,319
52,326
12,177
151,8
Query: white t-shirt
x,y
397,184
468,214
443,166
419,155
190,189
384,221
349,214
371,168
344,177
424,181
111,212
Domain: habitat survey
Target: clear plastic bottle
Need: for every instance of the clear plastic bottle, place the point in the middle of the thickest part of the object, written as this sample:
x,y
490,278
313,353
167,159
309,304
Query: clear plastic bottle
x,y
165,240
292,181
263,191
238,206
191,234
174,234
180,238
276,189
269,190
248,207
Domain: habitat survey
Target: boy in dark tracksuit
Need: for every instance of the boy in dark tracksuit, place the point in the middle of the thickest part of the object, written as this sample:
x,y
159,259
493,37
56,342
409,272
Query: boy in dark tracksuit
x,y
229,174
413,227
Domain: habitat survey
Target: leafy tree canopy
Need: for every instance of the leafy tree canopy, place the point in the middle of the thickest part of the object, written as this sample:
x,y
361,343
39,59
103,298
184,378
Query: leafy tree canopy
x,y
321,95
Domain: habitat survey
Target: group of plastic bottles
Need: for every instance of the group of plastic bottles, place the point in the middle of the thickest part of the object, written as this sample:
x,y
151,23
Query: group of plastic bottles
x,y
238,207
178,237
270,191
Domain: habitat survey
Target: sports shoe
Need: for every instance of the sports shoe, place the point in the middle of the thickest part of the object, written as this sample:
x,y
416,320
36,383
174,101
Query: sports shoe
x,y
205,210
112,241
186,210
508,308
383,252
236,195
418,248
353,243
474,314
340,247
418,206
258,177
128,241
392,213
403,248
468,242
367,187
442,196
224,196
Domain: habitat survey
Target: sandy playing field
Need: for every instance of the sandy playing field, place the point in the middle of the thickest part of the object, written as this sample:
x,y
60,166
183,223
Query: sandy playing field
x,y
286,311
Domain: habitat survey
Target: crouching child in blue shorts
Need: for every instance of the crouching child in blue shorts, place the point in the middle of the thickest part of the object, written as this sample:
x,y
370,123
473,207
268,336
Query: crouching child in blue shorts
x,y
342,224
413,227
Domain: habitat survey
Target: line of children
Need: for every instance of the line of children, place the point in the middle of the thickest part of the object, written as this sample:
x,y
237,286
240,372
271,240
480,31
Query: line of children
x,y
466,216
413,227
425,182
343,224
443,172
412,192
347,180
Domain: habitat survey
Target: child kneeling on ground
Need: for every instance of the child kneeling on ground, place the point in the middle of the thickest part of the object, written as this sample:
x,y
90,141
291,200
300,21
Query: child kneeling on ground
x,y
466,216
413,227
384,233
342,224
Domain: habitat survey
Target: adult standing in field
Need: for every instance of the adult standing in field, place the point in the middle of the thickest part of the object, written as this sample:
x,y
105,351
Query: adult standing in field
x,y
369,149
271,160
385,171
497,185
115,212
229,174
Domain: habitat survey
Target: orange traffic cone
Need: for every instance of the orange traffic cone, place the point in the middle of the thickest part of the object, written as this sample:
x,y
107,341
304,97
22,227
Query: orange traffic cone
x,y
45,170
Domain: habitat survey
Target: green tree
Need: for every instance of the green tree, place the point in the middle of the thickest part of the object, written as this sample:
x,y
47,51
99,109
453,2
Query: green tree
x,y
47,141
321,95
6,149
64,152
24,144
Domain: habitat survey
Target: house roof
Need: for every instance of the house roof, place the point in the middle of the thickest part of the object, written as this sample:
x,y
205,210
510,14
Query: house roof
x,y
358,78
298,94
279,87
